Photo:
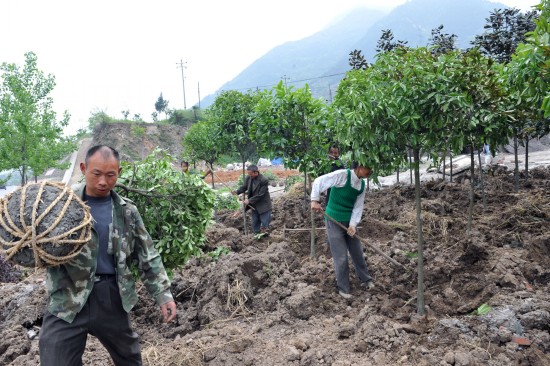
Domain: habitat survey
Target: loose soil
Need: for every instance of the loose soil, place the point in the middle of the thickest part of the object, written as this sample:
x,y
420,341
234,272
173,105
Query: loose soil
x,y
269,302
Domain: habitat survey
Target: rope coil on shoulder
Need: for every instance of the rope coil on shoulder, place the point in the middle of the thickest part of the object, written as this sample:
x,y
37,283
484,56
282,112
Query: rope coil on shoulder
x,y
33,233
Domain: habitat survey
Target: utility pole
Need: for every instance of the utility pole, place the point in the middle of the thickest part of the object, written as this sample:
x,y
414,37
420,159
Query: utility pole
x,y
182,66
285,79
199,91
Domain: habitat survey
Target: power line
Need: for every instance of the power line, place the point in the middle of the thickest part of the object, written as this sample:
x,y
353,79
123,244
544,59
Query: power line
x,y
289,82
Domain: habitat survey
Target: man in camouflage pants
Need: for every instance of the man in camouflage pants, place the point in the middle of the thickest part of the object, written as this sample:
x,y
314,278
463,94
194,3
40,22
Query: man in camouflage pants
x,y
93,293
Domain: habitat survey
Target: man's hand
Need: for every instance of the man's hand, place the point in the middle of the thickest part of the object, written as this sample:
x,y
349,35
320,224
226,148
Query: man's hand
x,y
168,311
246,202
316,206
351,231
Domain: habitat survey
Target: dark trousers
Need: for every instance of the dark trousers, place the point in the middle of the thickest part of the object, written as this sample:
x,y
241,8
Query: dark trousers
x,y
260,221
62,343
340,244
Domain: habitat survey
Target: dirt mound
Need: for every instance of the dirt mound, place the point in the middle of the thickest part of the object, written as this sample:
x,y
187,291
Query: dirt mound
x,y
269,303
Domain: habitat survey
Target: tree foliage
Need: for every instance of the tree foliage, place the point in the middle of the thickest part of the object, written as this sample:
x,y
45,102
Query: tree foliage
x,y
293,125
386,43
442,42
357,60
504,31
233,112
31,138
530,67
413,98
203,142
161,105
176,208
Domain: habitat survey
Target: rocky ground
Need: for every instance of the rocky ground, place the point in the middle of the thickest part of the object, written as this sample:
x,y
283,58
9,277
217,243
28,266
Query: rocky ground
x,y
269,302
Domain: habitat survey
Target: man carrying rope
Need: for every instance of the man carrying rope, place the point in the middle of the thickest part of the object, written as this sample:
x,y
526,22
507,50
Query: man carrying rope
x,y
93,292
345,205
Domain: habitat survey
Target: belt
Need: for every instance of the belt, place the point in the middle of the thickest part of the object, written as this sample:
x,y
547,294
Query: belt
x,y
104,277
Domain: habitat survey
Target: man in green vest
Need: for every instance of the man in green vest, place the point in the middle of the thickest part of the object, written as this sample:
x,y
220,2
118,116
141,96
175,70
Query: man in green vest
x,y
345,205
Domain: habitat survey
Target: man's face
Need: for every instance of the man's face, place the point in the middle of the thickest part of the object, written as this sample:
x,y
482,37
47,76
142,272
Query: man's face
x,y
363,171
252,174
101,174
334,153
184,167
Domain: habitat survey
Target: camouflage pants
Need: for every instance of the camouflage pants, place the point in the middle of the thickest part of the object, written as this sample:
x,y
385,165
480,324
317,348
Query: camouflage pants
x,y
63,343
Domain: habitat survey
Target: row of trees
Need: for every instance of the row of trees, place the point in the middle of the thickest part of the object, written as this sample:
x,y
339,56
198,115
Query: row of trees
x,y
433,100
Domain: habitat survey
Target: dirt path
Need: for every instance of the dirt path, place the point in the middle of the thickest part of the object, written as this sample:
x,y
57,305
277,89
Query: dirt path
x,y
76,176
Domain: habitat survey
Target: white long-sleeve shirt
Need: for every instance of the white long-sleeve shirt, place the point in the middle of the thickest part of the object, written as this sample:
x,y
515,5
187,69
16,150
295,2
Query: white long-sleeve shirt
x,y
338,179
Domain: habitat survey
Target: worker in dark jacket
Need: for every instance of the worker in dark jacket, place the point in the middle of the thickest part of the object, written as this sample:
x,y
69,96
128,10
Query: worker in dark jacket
x,y
256,187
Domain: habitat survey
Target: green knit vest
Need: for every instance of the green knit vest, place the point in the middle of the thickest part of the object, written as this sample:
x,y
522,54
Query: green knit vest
x,y
342,199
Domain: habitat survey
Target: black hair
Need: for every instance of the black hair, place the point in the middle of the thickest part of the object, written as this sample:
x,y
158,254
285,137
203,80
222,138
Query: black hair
x,y
106,152
354,164
252,168
184,162
333,146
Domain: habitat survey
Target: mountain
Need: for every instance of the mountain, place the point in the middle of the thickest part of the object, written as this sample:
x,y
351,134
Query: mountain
x,y
321,60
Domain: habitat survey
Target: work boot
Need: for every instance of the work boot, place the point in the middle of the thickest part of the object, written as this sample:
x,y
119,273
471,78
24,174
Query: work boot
x,y
367,285
345,295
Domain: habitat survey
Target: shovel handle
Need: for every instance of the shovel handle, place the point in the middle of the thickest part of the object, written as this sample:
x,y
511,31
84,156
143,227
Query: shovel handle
x,y
374,247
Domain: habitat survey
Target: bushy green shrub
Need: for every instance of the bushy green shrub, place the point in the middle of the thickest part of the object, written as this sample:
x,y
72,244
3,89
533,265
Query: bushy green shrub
x,y
176,208
292,180
270,176
226,201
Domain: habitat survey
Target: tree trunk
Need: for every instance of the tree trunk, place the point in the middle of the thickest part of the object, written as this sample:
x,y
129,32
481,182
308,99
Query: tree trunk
x,y
471,205
444,164
420,238
450,167
410,166
313,236
481,181
516,163
245,228
526,158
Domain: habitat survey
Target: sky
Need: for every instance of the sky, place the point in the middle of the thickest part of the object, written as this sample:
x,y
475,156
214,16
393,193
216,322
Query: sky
x,y
116,55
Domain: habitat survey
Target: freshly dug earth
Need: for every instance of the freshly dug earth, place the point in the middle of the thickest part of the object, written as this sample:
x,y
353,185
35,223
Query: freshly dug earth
x,y
269,303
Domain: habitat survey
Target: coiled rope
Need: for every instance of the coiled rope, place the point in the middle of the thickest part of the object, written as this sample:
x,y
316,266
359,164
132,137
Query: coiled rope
x,y
26,235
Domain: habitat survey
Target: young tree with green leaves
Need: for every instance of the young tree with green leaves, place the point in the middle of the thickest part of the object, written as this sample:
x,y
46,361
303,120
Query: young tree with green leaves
x,y
176,208
481,117
293,125
400,102
31,138
161,105
504,31
232,112
203,142
529,77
